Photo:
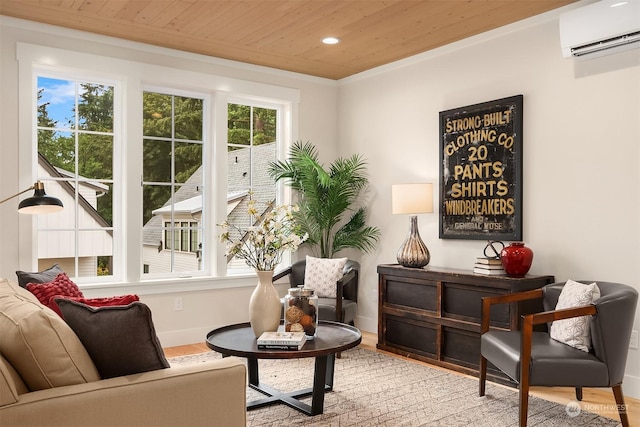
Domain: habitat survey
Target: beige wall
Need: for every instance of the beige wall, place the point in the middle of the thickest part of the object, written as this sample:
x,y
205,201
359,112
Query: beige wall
x,y
581,189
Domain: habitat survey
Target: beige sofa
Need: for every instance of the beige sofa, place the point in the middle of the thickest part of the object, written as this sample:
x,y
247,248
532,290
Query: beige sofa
x,y
205,394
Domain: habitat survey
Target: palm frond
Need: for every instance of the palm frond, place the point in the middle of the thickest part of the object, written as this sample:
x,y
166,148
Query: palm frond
x,y
326,197
356,234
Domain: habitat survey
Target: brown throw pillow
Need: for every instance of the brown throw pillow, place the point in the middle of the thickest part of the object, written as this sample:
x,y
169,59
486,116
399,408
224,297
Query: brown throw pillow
x,y
44,276
121,340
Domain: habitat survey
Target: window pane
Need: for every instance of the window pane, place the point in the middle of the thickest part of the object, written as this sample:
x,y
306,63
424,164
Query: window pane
x,y
157,115
95,156
95,249
188,159
95,107
239,125
104,202
156,160
57,245
172,154
264,126
76,165
56,103
248,166
154,197
59,149
188,116
239,169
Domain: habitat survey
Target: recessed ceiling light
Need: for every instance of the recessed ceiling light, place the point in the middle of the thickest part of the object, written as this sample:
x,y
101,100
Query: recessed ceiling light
x,y
330,40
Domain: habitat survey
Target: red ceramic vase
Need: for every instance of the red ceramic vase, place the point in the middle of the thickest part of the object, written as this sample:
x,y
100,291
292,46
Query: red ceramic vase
x,y
516,259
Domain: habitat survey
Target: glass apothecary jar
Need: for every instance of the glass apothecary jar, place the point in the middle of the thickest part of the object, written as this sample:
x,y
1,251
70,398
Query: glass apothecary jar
x,y
301,311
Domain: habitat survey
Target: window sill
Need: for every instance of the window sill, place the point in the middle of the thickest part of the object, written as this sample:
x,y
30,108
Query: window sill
x,y
172,286
167,286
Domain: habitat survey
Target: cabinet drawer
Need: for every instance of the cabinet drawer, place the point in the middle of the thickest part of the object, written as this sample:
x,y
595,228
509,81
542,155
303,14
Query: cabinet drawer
x,y
464,302
461,347
420,336
416,294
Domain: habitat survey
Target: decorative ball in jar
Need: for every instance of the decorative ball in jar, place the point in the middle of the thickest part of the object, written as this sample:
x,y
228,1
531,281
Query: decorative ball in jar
x,y
301,311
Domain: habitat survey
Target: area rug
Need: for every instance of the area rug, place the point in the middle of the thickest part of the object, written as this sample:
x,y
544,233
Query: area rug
x,y
375,389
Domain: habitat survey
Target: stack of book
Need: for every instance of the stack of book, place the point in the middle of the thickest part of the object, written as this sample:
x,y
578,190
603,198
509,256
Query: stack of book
x,y
281,340
489,266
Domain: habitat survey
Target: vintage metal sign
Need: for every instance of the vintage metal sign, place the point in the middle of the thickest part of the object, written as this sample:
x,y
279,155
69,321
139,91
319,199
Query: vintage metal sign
x,y
481,171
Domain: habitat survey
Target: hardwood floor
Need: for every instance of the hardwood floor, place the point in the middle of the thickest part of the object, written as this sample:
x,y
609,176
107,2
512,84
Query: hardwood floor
x,y
599,401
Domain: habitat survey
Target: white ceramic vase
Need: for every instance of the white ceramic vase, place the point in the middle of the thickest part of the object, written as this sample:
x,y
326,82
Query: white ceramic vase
x,y
264,305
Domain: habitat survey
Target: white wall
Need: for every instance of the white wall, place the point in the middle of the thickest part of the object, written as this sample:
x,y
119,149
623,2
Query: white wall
x,y
581,152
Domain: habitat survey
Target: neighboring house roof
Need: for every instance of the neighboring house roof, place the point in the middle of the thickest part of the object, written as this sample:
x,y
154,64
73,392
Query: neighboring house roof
x,y
188,206
188,198
55,172
97,186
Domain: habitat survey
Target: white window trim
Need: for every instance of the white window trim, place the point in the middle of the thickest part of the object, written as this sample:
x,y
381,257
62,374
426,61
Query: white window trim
x,y
133,76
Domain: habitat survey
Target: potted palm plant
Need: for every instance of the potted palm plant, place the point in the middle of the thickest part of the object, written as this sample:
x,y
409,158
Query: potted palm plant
x,y
328,211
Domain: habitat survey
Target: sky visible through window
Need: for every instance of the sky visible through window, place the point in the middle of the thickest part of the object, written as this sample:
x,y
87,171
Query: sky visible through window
x,y
60,96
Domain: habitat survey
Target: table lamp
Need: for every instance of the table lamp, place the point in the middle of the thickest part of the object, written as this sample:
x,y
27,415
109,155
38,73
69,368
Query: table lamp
x,y
37,204
412,199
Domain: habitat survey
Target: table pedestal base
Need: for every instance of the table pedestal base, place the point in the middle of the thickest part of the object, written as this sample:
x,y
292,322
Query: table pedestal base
x,y
322,382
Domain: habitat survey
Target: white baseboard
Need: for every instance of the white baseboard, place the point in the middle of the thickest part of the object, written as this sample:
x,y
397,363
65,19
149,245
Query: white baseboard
x,y
367,324
631,386
183,337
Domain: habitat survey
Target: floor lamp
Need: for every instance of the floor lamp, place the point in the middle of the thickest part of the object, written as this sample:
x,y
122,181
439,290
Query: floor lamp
x,y
37,204
412,199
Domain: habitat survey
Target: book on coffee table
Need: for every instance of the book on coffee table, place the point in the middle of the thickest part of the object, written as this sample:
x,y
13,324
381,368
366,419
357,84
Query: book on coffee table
x,y
281,340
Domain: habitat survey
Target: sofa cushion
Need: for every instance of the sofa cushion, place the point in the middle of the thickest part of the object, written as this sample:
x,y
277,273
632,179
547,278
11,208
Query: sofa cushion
x,y
321,274
95,302
575,331
120,339
41,347
44,276
11,385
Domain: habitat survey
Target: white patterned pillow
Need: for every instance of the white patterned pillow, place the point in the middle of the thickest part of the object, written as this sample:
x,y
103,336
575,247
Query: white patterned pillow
x,y
575,331
321,274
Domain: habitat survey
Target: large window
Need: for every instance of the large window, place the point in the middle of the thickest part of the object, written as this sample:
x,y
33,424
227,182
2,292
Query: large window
x,y
75,144
145,169
252,143
172,183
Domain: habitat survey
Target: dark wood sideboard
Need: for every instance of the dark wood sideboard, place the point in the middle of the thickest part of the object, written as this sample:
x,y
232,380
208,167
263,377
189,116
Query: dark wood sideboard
x,y
433,314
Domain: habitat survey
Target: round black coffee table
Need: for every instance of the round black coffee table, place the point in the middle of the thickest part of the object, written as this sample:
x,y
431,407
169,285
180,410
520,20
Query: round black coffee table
x,y
332,337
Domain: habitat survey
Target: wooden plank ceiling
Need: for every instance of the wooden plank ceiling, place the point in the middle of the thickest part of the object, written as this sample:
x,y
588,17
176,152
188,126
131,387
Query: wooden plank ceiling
x,y
286,34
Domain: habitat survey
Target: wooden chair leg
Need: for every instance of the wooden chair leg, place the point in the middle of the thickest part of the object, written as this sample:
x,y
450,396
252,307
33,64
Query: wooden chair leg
x,y
483,375
525,363
622,409
524,401
579,394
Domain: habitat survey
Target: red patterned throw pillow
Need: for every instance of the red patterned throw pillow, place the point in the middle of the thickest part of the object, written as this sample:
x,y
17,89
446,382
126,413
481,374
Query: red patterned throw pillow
x,y
60,286
95,302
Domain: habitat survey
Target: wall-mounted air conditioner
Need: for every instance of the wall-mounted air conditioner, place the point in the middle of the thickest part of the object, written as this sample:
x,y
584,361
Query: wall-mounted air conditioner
x,y
600,28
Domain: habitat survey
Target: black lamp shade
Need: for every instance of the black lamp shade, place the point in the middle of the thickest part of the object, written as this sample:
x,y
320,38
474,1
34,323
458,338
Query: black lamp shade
x,y
40,203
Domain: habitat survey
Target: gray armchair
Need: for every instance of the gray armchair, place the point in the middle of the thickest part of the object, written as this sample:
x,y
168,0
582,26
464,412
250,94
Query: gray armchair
x,y
343,308
531,358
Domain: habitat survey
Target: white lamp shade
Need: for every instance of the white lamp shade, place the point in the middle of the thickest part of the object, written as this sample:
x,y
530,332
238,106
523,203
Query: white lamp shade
x,y
412,198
